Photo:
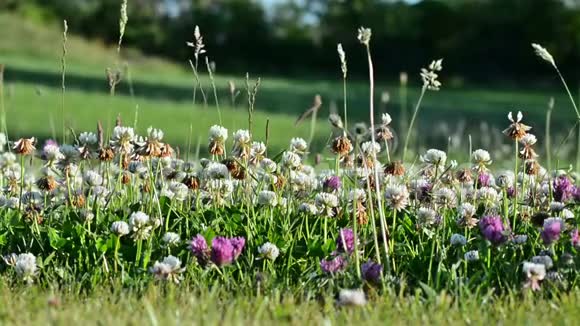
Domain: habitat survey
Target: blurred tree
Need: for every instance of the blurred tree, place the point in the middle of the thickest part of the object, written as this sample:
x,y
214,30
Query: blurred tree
x,y
479,38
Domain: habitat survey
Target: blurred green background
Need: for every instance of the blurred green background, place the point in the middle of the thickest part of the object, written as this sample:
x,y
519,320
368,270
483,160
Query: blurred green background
x,y
489,67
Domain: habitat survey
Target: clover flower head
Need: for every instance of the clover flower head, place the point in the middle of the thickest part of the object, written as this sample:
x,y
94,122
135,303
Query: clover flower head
x,y
269,251
218,133
298,145
267,198
168,270
553,227
371,271
397,196
472,255
458,240
120,228
535,273
171,239
434,157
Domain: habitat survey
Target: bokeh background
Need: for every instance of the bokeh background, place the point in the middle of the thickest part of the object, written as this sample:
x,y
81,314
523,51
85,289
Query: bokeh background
x,y
489,66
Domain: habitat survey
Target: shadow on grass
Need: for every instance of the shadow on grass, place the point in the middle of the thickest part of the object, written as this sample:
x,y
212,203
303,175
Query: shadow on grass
x,y
281,100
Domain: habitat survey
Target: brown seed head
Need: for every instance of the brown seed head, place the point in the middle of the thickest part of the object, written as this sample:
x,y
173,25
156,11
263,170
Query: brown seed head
x,y
25,146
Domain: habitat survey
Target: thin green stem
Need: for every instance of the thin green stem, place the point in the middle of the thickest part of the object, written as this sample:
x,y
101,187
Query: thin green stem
x,y
410,128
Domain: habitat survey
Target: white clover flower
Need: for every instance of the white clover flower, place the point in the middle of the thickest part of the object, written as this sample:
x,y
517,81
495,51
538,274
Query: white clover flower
x,y
154,134
217,171
487,195
445,197
467,210
25,266
472,255
544,54
139,223
179,190
534,274
268,165
426,216
291,160
218,133
51,153
308,209
93,179
326,203
258,148
434,157
481,157
458,240
269,251
505,179
168,270
88,138
138,220
242,136
171,239
7,159
71,153
267,198
357,194
396,196
369,148
298,145
122,139
386,119
348,297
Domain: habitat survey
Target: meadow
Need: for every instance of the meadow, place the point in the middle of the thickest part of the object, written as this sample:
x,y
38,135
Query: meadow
x,y
172,211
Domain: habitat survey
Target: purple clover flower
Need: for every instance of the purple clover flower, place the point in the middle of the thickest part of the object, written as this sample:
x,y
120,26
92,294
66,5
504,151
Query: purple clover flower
x,y
492,229
332,183
552,229
484,180
371,271
334,265
576,193
200,249
345,238
563,188
225,251
238,243
511,192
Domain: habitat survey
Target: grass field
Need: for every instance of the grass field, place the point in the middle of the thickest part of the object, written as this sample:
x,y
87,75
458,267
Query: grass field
x,y
163,91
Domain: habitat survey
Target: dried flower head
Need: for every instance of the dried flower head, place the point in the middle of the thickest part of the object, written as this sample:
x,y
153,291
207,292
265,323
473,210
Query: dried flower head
x,y
25,146
516,130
